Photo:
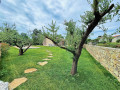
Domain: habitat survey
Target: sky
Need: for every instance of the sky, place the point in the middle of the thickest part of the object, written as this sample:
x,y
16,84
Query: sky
x,y
31,14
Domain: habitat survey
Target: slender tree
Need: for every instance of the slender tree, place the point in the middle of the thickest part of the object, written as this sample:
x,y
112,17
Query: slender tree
x,y
101,12
37,37
22,40
53,29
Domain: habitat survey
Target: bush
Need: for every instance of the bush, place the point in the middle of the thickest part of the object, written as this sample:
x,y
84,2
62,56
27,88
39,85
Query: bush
x,y
118,41
4,49
113,45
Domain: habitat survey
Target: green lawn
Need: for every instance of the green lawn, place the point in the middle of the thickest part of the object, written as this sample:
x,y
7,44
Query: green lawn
x,y
56,74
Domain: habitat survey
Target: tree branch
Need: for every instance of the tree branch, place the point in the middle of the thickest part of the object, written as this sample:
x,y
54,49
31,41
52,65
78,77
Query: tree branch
x,y
107,11
27,48
96,11
90,28
15,42
73,52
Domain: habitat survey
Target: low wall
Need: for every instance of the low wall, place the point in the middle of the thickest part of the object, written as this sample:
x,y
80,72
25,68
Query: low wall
x,y
108,57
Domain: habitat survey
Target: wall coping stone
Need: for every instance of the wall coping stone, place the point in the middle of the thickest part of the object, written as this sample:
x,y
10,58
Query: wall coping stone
x,y
105,47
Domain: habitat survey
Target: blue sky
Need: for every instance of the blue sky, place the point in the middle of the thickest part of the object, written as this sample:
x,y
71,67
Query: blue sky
x,y
30,14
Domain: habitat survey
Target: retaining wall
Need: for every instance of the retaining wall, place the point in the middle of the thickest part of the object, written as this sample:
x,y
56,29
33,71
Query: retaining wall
x,y
108,57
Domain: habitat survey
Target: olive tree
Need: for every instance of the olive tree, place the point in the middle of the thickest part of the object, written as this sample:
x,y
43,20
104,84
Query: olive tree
x,y
10,35
101,12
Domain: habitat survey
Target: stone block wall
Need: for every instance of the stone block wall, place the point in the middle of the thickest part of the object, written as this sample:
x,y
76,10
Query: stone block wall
x,y
108,57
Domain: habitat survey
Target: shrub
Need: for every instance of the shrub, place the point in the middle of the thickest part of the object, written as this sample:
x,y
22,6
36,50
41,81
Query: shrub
x,y
4,49
3,72
118,41
113,45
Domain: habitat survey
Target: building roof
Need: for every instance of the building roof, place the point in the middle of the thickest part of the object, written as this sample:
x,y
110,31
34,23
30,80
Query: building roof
x,y
116,36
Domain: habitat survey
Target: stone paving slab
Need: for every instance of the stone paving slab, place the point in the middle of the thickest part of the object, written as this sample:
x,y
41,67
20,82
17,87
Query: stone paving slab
x,y
16,82
47,51
49,56
30,70
46,59
31,47
42,63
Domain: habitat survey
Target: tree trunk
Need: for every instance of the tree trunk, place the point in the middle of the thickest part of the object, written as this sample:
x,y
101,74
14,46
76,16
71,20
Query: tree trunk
x,y
27,48
20,51
74,65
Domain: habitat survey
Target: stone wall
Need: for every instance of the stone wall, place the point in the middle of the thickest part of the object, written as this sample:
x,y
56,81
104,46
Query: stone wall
x,y
108,57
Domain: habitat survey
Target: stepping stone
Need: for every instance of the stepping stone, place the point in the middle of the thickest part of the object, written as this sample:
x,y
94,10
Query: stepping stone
x,y
30,70
47,51
46,59
42,63
16,82
49,56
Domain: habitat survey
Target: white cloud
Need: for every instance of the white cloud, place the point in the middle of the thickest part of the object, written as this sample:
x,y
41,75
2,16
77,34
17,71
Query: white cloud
x,y
12,2
37,13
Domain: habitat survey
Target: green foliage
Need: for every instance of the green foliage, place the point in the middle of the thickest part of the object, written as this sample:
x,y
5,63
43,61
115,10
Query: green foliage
x,y
103,5
117,14
7,33
105,38
117,11
87,17
4,52
37,37
113,45
52,30
73,36
95,41
3,72
88,41
4,49
21,41
118,41
10,35
55,75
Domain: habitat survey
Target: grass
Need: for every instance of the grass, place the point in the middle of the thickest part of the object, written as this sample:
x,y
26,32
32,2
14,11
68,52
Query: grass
x,y
111,44
56,74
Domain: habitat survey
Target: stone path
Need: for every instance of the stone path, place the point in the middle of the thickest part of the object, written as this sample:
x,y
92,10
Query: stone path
x,y
30,70
49,56
42,63
46,59
47,51
31,47
16,82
